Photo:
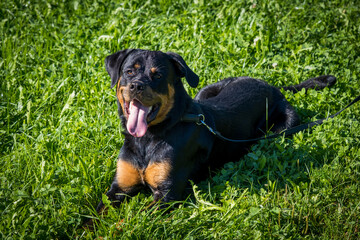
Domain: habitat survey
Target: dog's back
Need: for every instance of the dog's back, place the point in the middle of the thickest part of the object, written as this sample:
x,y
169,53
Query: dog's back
x,y
243,105
248,108
251,102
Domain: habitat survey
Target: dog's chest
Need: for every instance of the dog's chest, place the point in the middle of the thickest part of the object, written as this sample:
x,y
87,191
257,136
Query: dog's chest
x,y
146,152
144,164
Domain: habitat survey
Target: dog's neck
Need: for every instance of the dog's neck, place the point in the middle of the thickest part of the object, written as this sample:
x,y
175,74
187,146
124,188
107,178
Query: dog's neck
x,y
182,102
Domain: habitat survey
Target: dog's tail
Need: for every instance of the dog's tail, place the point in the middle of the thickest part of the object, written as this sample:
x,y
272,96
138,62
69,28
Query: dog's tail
x,y
316,83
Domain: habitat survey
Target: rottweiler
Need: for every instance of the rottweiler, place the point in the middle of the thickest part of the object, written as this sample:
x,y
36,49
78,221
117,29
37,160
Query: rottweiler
x,y
161,150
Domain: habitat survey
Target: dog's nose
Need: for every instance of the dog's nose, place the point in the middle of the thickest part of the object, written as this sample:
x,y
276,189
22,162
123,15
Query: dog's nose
x,y
137,87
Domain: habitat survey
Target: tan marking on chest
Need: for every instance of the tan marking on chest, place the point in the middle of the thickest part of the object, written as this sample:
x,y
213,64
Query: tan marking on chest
x,y
157,173
127,176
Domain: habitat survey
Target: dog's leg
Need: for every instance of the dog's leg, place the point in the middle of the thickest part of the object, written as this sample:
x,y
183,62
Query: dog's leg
x,y
285,117
116,196
213,90
209,91
171,187
282,116
127,182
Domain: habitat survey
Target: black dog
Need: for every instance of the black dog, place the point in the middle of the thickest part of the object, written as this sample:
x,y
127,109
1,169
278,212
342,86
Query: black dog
x,y
163,152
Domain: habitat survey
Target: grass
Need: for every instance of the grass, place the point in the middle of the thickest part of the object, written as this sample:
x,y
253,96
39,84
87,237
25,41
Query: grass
x,y
60,134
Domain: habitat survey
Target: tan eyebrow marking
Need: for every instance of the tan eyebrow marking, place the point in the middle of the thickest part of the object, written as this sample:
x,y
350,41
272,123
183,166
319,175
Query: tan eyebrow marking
x,y
153,69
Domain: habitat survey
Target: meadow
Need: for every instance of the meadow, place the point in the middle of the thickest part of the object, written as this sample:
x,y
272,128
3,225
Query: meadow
x,y
60,133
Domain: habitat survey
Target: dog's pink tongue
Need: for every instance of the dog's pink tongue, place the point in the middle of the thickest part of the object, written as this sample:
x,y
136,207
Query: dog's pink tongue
x,y
136,123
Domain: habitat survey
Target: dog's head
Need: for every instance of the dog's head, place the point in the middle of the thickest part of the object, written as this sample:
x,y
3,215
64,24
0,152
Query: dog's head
x,y
145,83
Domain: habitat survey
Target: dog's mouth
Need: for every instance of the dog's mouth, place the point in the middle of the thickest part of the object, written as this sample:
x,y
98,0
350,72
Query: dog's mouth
x,y
139,116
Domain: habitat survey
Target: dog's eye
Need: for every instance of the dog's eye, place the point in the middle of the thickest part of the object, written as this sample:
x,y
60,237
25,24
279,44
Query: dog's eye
x,y
157,75
129,72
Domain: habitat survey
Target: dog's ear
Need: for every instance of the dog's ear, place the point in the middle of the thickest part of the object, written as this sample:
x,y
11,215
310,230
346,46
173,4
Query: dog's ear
x,y
183,69
113,64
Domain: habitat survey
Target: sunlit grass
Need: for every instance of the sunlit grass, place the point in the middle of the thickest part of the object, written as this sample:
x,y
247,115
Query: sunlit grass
x,y
60,133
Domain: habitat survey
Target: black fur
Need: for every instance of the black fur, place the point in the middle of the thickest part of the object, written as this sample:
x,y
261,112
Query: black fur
x,y
236,107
